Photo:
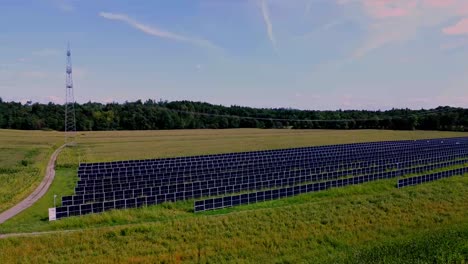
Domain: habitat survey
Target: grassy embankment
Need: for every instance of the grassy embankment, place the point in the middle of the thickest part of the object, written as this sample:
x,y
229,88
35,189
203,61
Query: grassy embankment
x,y
359,224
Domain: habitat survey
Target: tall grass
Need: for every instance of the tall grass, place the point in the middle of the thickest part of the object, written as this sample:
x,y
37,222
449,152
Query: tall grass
x,y
445,245
23,159
338,225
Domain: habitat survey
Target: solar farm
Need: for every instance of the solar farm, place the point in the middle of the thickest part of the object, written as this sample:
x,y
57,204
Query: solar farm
x,y
249,196
227,180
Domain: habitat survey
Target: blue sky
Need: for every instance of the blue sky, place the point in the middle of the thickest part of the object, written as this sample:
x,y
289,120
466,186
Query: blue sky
x,y
307,54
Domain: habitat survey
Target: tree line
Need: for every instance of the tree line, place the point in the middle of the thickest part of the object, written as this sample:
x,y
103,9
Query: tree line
x,y
153,115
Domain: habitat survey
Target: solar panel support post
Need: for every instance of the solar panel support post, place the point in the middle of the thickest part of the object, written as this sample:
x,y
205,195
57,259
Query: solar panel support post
x,y
398,174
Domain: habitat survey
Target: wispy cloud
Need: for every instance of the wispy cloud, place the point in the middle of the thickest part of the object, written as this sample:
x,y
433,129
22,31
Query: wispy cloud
x,y
268,24
157,32
397,21
381,35
381,9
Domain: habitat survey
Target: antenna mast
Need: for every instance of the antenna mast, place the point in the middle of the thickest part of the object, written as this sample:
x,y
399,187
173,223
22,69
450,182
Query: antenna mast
x,y
70,120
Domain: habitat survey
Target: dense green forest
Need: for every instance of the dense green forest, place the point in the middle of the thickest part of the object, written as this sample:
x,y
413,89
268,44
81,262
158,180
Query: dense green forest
x,y
188,115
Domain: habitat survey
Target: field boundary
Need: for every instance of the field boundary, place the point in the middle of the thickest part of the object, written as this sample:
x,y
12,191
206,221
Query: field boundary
x,y
38,192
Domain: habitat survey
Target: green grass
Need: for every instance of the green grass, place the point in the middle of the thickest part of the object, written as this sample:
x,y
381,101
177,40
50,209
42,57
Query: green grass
x,y
329,226
35,217
355,224
445,245
23,158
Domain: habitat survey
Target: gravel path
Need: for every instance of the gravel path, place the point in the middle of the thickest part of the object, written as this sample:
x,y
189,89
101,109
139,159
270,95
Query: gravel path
x,y
38,193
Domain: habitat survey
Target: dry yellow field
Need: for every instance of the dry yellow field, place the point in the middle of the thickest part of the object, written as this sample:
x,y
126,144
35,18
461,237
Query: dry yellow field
x,y
122,145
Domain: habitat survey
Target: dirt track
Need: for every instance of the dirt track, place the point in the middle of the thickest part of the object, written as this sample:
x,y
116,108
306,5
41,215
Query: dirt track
x,y
38,193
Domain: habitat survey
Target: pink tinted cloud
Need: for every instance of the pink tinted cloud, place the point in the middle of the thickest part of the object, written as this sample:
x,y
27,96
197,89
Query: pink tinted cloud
x,y
397,20
463,8
440,3
376,41
381,9
460,28
458,7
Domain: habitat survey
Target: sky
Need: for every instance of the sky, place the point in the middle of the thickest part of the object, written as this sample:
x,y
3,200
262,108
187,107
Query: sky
x,y
305,54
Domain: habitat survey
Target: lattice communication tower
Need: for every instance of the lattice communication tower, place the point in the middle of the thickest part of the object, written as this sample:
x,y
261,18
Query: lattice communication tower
x,y
70,119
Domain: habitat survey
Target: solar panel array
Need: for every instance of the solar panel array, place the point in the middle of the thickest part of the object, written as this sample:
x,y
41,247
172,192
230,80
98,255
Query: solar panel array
x,y
266,175
430,177
267,195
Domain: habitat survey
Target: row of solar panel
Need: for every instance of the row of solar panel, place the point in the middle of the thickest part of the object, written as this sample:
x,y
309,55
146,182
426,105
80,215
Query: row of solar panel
x,y
153,188
233,186
433,157
384,165
84,169
265,152
236,160
148,186
236,186
72,210
297,172
430,177
375,148
213,203
226,155
125,170
250,198
224,167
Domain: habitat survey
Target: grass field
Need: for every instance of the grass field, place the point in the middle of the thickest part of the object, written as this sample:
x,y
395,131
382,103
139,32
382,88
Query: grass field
x,y
370,223
23,158
121,145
